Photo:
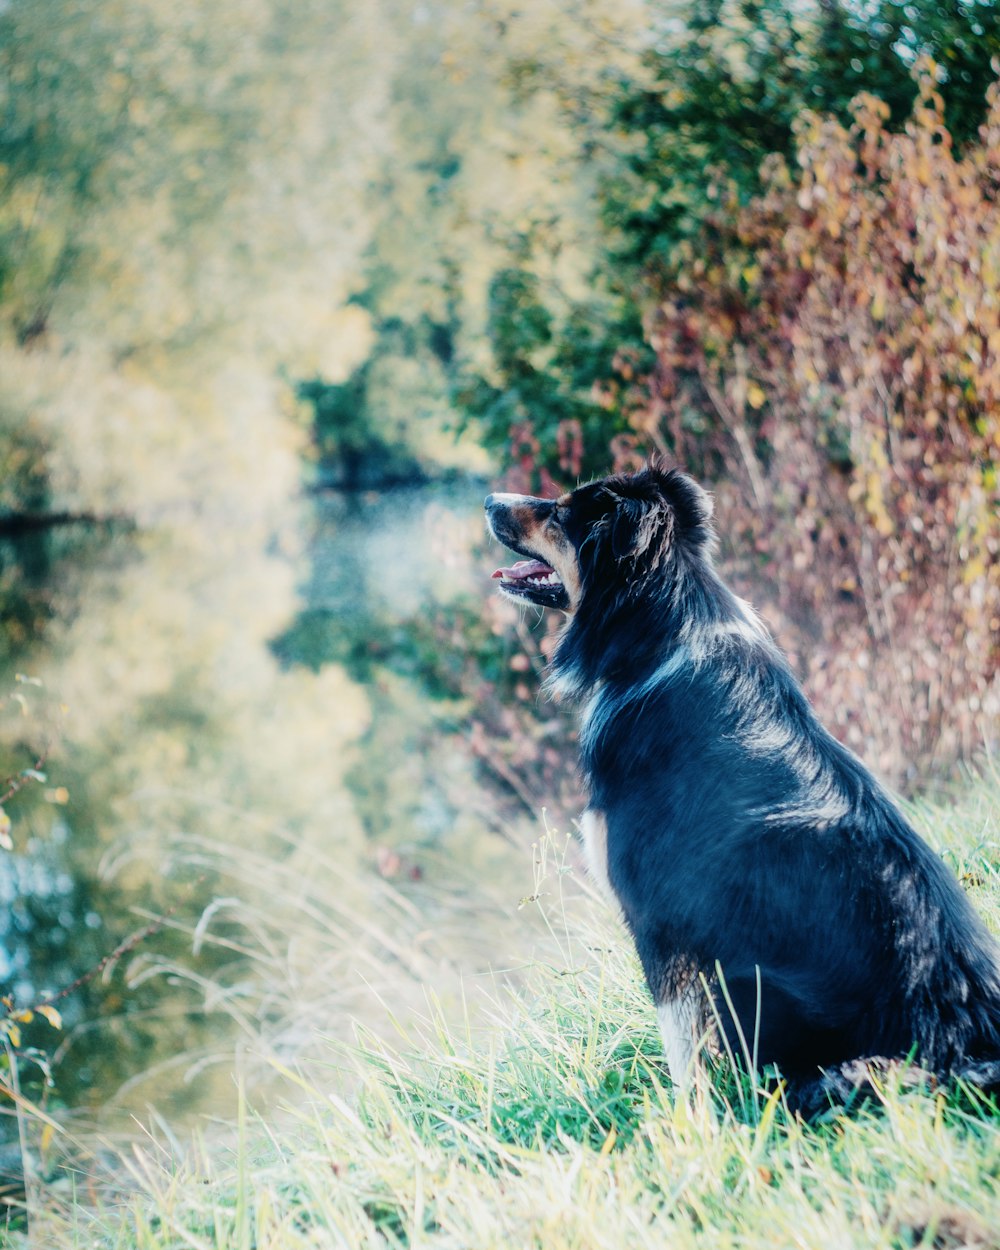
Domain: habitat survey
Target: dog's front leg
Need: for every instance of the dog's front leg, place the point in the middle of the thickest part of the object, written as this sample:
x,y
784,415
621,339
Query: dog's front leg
x,y
684,1030
682,1015
680,1027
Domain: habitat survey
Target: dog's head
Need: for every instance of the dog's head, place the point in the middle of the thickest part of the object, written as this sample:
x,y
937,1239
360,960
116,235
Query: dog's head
x,y
614,532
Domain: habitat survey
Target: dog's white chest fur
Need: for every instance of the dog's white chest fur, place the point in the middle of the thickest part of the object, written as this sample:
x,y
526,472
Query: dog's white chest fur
x,y
594,832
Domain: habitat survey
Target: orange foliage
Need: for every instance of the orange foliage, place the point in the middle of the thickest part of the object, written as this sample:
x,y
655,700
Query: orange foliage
x,y
829,357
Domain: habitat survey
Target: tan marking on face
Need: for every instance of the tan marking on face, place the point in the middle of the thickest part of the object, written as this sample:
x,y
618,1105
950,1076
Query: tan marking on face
x,y
526,521
549,541
546,539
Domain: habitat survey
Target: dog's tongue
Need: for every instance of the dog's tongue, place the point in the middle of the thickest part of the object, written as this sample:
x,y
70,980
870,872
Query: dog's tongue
x,y
523,568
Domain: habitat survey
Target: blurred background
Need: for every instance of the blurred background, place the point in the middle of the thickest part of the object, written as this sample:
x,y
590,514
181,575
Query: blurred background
x,y
284,289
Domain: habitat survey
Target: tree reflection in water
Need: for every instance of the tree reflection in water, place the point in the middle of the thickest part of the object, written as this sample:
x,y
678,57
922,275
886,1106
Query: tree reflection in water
x,y
223,697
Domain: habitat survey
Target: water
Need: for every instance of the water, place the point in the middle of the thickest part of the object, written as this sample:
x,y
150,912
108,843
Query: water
x,y
221,708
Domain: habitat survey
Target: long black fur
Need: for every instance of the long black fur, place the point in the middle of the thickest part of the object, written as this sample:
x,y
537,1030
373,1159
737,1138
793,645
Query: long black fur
x,y
741,835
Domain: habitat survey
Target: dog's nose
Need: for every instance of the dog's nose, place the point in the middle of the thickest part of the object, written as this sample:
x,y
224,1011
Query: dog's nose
x,y
489,502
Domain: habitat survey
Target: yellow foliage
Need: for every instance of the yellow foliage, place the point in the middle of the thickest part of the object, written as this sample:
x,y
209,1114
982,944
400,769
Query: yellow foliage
x,y
49,1013
756,397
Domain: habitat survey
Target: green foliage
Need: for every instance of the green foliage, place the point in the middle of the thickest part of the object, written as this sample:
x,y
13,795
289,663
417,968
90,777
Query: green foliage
x,y
685,130
352,452
549,375
728,87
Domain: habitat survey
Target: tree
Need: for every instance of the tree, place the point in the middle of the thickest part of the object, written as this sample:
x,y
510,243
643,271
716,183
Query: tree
x,y
672,133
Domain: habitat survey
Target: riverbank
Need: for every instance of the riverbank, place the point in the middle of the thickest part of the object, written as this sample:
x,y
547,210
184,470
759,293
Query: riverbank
x,y
538,1115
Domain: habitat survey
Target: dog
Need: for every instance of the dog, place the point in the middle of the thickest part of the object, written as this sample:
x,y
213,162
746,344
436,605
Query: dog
x,y
770,884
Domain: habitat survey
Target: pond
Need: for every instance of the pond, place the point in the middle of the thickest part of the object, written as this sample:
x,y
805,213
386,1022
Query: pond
x,y
230,724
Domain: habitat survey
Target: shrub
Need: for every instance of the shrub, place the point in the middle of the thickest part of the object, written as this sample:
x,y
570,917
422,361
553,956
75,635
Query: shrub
x,y
828,357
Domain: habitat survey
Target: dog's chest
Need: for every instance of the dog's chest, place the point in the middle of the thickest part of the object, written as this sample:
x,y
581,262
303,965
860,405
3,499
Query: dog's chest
x,y
594,832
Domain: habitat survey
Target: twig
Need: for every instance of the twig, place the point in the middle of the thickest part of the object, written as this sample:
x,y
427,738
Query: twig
x,y
21,780
122,949
738,434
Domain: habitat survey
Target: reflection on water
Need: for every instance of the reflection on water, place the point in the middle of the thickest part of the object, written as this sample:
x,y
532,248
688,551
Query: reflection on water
x,y
221,695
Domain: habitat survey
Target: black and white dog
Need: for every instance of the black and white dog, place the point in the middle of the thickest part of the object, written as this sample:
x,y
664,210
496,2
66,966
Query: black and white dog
x,y
749,851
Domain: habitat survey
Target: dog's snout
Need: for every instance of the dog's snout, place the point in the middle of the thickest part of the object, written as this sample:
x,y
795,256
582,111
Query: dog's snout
x,y
500,500
497,517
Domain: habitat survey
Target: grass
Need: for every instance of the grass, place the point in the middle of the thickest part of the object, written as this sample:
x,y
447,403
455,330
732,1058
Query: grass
x,y
538,1115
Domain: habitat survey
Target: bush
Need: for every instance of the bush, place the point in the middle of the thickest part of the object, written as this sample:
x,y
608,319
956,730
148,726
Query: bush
x,y
828,357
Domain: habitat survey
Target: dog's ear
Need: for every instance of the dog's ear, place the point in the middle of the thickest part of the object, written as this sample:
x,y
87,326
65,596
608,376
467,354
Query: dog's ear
x,y
640,526
655,509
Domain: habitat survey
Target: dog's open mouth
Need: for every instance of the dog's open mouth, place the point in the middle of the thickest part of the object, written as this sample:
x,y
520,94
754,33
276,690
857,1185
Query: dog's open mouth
x,y
533,580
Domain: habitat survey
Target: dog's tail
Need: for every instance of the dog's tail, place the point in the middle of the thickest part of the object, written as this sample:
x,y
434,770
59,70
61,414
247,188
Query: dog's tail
x,y
979,1063
982,1072
850,1084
